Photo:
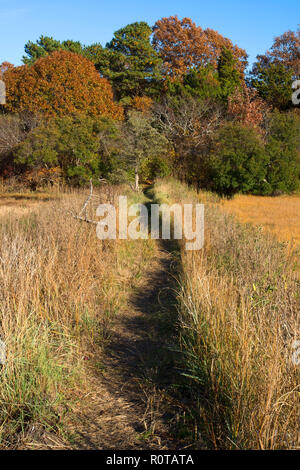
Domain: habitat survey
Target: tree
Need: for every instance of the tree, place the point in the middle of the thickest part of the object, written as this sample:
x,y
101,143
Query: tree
x,y
189,123
59,84
283,171
285,51
100,56
201,83
75,144
134,65
273,83
247,108
273,73
142,142
183,46
229,76
239,161
45,45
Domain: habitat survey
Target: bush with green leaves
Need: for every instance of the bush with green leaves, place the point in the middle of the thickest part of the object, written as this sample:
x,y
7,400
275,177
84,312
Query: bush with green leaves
x,y
282,148
75,144
273,83
239,161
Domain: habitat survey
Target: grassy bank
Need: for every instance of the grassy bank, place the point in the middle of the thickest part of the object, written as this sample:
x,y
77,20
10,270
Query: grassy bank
x,y
61,288
239,314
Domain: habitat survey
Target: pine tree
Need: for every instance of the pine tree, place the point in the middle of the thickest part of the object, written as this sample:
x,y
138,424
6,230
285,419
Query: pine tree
x,y
134,64
229,75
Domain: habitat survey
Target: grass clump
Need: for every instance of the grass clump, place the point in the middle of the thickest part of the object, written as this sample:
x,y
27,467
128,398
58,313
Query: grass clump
x,y
238,304
58,297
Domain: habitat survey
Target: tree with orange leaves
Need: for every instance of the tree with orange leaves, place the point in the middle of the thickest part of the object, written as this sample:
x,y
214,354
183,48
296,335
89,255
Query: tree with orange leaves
x,y
247,108
61,83
274,72
284,51
4,67
183,46
142,103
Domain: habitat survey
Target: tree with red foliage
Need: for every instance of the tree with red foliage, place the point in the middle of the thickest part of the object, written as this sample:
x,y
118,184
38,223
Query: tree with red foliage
x,y
61,83
183,46
285,51
247,108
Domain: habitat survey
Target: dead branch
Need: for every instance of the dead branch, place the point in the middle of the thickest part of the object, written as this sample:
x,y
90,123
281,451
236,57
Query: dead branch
x,y
84,208
82,215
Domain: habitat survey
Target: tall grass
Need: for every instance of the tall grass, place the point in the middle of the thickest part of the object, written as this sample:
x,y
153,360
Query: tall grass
x,y
280,215
58,294
239,314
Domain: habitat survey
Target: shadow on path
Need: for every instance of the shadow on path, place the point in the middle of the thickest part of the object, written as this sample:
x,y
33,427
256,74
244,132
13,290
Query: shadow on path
x,y
133,406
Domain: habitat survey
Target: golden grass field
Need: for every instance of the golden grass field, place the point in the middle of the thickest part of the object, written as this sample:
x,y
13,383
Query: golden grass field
x,y
237,299
280,215
238,318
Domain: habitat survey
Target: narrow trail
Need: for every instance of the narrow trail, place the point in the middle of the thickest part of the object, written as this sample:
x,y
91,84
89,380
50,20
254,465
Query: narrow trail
x,y
130,407
131,398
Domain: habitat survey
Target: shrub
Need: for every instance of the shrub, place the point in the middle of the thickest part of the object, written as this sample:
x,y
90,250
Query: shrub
x,y
283,170
70,143
239,161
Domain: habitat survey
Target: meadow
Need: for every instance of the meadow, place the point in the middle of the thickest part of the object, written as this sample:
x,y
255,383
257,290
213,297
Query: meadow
x,y
280,215
239,314
63,292
61,288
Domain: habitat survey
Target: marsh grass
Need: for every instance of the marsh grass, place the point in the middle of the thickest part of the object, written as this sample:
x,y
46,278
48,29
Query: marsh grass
x,y
61,288
279,215
239,314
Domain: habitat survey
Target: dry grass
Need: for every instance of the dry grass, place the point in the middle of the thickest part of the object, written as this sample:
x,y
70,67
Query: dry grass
x,y
280,215
60,290
239,314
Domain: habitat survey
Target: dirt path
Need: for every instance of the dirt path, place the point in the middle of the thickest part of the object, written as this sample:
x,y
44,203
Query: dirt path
x,y
131,403
130,407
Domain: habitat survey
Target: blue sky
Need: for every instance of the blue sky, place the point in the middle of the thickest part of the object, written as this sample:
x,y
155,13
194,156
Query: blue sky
x,y
250,24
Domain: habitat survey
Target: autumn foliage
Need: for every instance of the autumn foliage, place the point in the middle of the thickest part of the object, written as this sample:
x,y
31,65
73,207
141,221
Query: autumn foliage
x,y
183,45
59,84
4,67
285,50
246,107
141,103
65,104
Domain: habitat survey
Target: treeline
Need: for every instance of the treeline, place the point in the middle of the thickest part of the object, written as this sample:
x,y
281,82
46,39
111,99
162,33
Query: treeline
x,y
154,101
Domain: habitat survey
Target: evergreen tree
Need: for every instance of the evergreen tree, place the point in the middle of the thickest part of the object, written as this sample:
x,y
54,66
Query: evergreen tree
x,y
239,161
134,64
46,45
229,76
273,82
283,170
202,83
